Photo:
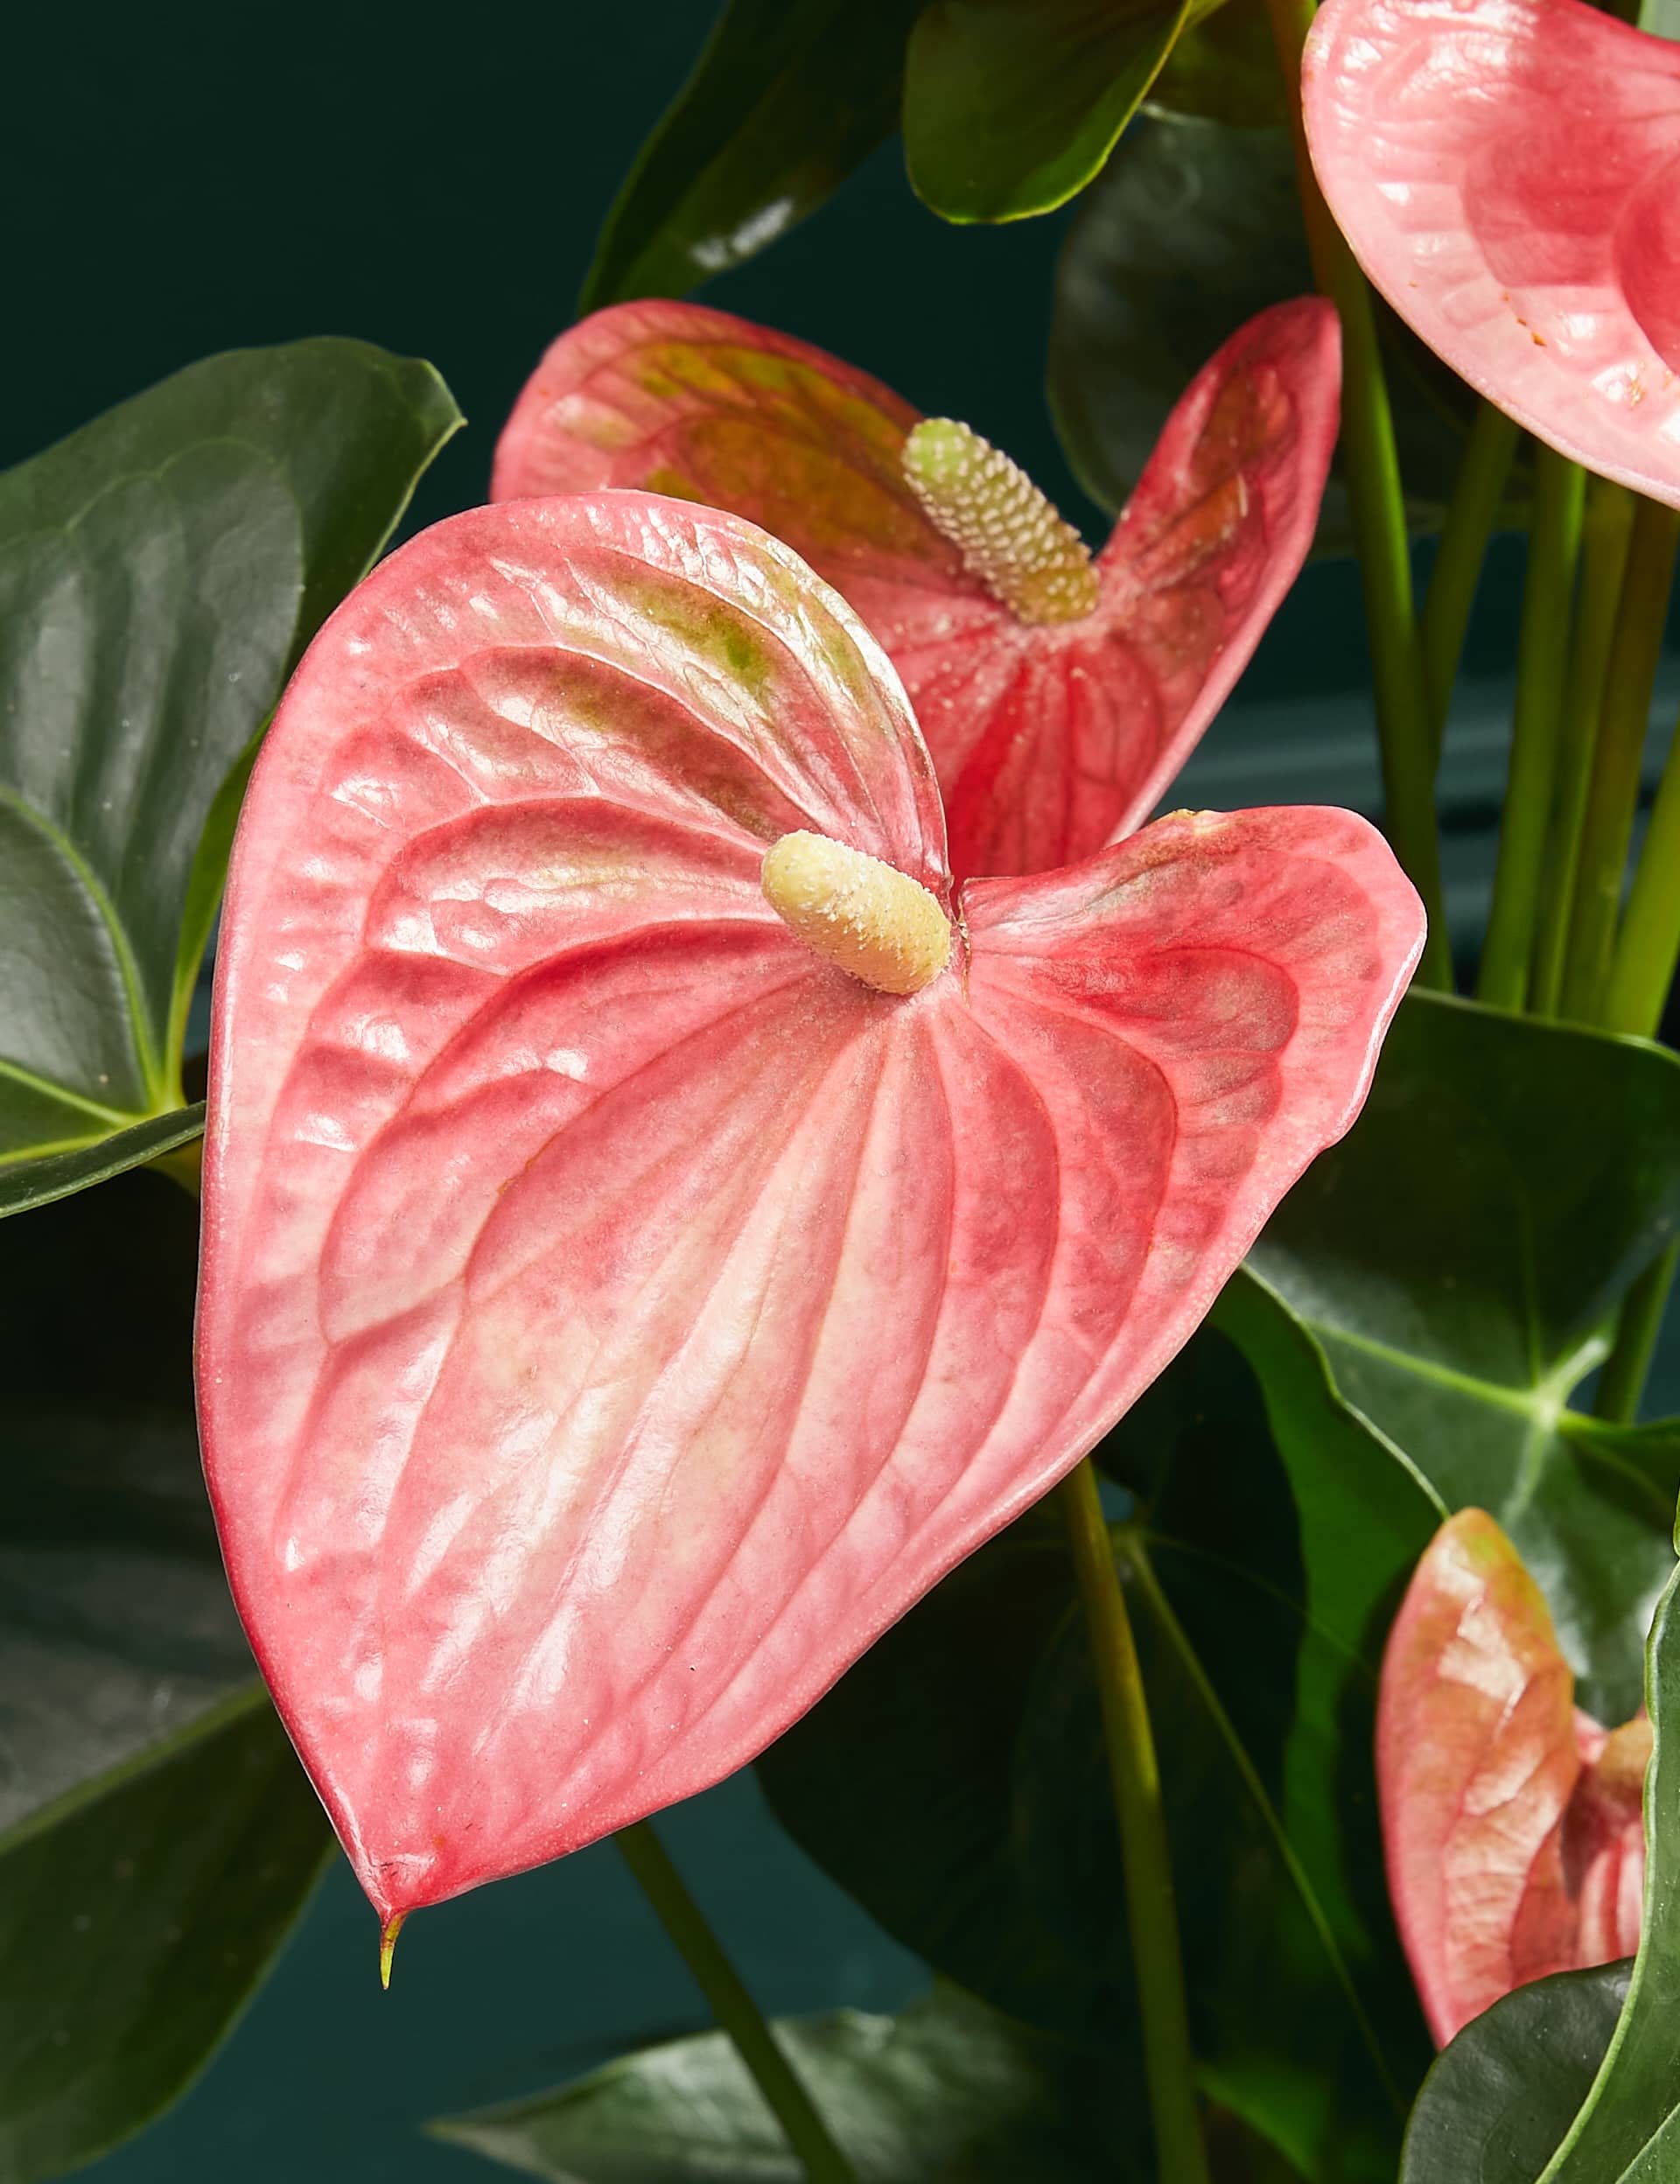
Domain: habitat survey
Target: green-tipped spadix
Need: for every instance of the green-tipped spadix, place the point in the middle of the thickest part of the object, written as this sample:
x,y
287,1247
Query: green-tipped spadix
x,y
1008,534
871,919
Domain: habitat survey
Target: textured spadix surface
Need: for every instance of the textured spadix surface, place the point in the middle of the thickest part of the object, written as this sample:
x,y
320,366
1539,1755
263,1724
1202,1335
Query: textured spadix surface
x,y
1507,173
1511,1820
1049,741
613,1315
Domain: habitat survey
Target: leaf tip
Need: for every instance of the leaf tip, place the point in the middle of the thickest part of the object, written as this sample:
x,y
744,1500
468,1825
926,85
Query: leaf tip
x,y
388,1935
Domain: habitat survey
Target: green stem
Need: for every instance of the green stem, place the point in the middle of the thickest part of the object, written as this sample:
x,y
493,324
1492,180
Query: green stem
x,y
185,1164
1542,668
1471,515
1622,1382
1635,646
1648,947
1607,529
1405,719
733,2007
1169,2062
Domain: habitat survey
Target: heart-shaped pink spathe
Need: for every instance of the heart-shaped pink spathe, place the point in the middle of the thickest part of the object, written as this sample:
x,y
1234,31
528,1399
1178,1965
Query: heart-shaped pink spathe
x,y
1512,1822
1050,741
1507,173
613,1315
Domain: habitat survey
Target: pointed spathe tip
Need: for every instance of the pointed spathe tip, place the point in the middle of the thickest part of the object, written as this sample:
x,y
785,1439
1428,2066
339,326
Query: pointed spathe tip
x,y
388,1935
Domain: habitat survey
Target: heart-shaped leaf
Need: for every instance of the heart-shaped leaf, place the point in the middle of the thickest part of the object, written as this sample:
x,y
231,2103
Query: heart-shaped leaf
x,y
955,1780
1501,2098
1459,1259
948,2092
561,1199
156,1835
1050,738
1516,1845
1507,173
1192,228
788,98
160,573
1011,106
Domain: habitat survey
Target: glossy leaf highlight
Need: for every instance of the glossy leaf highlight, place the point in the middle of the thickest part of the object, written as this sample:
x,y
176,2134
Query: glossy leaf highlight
x,y
1050,741
788,97
1516,1845
613,1316
1507,171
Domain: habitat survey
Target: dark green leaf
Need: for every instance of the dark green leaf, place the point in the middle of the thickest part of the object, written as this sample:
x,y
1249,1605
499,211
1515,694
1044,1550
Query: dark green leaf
x,y
948,2092
1194,227
1459,1256
1011,106
160,573
788,98
1225,69
1499,2098
133,1926
954,1780
156,1834
37,1182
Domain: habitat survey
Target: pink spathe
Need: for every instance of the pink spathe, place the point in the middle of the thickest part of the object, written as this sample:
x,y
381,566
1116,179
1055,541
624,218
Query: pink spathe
x,y
1507,173
1512,1821
1050,741
613,1315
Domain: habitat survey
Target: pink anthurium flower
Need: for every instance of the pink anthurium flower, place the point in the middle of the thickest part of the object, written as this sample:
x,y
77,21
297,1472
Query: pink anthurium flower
x,y
654,1224
1507,173
1057,695
1512,1821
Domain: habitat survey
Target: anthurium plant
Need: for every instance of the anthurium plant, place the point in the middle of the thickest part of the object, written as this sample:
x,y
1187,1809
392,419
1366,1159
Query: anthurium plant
x,y
748,1191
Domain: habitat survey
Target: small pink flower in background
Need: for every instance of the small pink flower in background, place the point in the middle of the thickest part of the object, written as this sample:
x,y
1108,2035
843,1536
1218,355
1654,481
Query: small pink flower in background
x,y
646,1247
1059,695
1512,1822
1507,173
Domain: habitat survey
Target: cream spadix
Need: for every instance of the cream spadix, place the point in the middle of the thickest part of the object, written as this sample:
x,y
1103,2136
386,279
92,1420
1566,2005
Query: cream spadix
x,y
879,924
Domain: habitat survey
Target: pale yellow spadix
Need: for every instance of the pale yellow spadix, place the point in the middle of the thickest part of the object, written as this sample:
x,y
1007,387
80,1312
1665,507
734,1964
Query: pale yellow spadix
x,y
869,918
1008,534
388,1935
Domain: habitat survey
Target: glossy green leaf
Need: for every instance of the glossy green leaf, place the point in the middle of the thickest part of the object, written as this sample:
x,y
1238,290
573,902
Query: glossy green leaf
x,y
156,1834
1499,2098
1459,1256
1193,229
160,573
788,98
38,1181
1011,106
948,2092
954,1781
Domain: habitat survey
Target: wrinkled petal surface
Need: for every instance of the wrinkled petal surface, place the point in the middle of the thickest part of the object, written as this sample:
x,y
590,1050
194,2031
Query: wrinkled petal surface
x,y
1050,741
612,1315
1512,1821
1507,173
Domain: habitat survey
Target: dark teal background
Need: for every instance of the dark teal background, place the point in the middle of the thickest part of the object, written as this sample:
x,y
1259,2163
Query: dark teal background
x,y
186,179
